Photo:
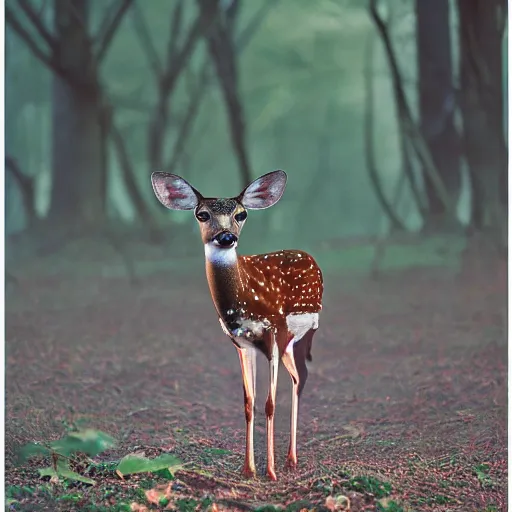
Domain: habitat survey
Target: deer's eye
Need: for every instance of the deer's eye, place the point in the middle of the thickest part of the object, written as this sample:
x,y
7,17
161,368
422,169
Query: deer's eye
x,y
240,217
203,216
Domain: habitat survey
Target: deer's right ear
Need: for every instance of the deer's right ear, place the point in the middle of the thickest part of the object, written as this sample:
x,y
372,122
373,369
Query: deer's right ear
x,y
174,192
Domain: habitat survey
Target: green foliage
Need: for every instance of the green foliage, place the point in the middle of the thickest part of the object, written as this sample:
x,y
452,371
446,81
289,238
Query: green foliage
x,y
88,441
71,497
17,492
133,463
164,473
187,505
389,506
482,473
440,499
324,484
62,470
206,502
370,484
268,508
118,507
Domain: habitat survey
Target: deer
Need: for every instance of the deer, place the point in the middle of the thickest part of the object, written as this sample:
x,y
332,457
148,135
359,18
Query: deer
x,y
266,302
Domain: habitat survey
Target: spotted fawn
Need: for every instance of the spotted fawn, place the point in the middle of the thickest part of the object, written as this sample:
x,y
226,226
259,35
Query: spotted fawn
x,y
268,302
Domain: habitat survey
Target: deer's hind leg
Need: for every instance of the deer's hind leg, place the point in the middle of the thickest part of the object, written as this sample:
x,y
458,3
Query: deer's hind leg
x,y
294,359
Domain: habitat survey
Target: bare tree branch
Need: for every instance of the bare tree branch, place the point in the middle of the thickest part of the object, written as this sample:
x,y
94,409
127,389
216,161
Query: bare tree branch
x,y
176,22
203,22
35,18
254,24
105,22
24,34
128,174
187,123
396,223
141,28
169,79
205,80
408,125
109,31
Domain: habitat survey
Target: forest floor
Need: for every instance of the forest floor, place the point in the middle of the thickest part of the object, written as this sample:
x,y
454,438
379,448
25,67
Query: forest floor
x,y
405,407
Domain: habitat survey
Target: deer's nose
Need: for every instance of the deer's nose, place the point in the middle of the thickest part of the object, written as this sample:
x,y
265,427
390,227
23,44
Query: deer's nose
x,y
225,239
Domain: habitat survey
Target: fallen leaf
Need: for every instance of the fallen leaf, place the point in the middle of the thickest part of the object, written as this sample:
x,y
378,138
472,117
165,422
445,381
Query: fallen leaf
x,y
134,463
158,493
339,502
353,430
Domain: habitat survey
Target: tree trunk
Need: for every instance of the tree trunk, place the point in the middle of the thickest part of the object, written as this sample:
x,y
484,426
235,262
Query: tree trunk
x,y
437,106
481,75
79,165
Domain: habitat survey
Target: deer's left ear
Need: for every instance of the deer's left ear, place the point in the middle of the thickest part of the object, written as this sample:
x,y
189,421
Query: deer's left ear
x,y
174,192
264,191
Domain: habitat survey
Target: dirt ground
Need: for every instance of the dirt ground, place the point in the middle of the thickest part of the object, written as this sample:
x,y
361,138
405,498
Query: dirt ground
x,y
405,407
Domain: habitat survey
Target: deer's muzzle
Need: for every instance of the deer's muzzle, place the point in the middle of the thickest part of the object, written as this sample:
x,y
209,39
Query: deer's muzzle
x,y
225,239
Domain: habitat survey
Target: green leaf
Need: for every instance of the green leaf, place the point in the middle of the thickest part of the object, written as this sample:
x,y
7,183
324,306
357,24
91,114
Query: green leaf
x,y
89,441
137,464
63,471
31,450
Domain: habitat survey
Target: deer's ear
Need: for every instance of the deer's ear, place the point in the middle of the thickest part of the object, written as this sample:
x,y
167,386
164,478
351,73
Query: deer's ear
x,y
264,191
174,192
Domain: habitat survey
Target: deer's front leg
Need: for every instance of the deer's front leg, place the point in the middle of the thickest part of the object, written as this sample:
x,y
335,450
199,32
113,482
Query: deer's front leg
x,y
248,363
270,407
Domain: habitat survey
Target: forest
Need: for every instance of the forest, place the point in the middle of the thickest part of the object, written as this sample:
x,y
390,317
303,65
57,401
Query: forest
x,y
390,120
402,125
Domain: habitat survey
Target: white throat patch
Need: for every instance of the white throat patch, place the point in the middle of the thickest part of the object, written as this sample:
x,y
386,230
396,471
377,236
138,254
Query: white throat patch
x,y
219,256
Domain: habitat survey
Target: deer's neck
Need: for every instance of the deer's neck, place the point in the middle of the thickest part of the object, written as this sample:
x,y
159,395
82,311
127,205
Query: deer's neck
x,y
223,274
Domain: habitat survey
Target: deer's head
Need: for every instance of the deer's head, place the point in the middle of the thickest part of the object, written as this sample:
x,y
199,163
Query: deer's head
x,y
220,220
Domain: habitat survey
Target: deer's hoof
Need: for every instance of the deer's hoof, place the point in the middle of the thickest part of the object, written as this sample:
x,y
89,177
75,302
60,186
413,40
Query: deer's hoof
x,y
248,472
271,474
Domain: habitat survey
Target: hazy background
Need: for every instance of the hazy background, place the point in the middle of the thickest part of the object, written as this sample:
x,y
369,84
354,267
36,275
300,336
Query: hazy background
x,y
390,119
99,94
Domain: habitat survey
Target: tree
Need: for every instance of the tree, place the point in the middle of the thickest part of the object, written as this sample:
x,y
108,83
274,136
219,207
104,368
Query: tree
x,y
166,74
481,28
437,106
80,113
412,140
